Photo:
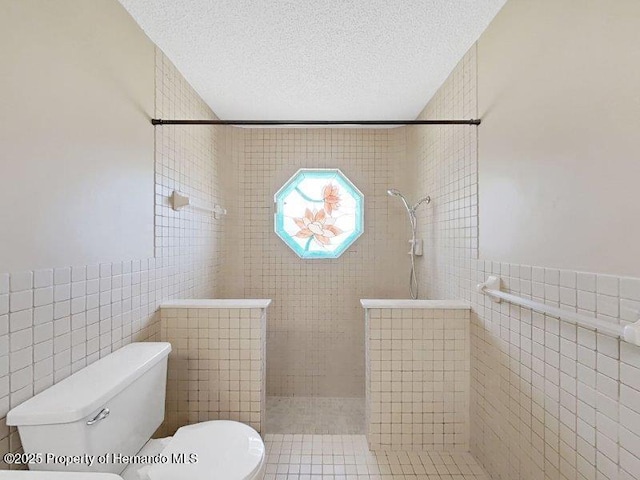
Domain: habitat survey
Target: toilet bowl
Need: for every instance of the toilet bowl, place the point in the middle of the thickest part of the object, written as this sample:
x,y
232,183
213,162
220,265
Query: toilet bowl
x,y
106,413
218,449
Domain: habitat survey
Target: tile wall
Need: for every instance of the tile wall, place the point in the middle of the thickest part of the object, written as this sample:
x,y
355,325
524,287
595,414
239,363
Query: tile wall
x,y
315,336
55,321
548,400
418,379
217,367
445,165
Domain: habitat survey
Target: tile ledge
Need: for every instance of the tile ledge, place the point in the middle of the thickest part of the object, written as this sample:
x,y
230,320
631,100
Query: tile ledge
x,y
218,303
423,304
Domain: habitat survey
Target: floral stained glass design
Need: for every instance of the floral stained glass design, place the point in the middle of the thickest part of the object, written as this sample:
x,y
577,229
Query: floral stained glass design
x,y
319,213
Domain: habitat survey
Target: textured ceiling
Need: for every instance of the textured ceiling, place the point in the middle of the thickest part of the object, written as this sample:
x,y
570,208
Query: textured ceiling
x,y
314,59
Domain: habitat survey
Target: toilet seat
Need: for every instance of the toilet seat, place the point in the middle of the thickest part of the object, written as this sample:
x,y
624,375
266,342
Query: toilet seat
x,y
226,450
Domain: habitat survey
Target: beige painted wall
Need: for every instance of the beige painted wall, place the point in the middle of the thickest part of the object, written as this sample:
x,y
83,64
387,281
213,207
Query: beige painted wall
x,y
559,162
76,163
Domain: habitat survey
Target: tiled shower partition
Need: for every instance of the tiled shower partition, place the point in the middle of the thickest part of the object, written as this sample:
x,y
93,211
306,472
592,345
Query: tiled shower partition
x,y
418,376
217,366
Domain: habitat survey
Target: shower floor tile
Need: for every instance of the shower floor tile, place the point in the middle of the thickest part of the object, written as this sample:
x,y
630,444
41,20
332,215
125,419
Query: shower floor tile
x,y
315,415
345,457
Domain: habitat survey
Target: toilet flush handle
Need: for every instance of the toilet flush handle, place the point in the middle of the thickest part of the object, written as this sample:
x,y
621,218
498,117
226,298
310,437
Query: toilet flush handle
x,y
104,413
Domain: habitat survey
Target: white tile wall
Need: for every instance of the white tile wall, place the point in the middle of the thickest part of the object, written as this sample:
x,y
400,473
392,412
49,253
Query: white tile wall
x,y
418,379
549,400
315,338
54,322
217,367
570,379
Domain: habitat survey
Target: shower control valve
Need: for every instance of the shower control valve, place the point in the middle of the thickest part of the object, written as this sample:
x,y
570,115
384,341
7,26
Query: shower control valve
x,y
416,245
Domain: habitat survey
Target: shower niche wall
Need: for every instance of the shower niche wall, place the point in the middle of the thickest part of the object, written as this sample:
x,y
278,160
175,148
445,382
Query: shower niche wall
x,y
315,333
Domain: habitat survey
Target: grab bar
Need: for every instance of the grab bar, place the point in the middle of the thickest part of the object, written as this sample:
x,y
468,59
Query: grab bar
x,y
629,333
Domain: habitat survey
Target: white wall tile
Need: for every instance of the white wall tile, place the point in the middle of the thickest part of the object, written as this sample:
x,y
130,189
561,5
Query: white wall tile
x,y
62,276
20,339
630,288
20,300
43,278
79,273
586,282
4,304
608,285
21,378
21,281
20,320
4,283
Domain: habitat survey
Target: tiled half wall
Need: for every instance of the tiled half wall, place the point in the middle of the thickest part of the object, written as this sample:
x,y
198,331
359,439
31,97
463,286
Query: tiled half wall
x,y
217,363
417,377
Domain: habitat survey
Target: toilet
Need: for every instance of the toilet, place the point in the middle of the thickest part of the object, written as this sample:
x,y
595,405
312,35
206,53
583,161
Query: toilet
x,y
100,421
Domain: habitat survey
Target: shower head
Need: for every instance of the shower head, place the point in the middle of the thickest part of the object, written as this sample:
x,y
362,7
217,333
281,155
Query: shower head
x,y
393,192
413,221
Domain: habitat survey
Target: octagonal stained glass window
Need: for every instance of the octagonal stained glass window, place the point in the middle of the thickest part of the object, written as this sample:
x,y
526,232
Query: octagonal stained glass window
x,y
319,213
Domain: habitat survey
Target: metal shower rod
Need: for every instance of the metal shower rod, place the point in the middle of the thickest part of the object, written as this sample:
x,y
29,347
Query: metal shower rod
x,y
159,121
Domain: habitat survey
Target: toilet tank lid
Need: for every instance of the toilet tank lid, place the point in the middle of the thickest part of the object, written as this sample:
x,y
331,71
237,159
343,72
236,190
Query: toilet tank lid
x,y
87,390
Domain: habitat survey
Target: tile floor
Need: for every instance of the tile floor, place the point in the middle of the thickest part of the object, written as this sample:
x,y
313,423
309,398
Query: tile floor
x,y
323,438
315,415
346,457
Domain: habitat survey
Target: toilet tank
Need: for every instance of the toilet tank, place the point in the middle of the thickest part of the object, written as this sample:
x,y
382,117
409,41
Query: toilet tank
x,y
112,406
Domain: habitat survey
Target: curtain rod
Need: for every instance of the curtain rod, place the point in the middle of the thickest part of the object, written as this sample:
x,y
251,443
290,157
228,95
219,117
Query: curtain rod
x,y
159,121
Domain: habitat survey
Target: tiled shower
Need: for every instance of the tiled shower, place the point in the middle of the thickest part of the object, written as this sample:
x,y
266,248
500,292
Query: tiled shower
x,y
315,335
530,396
